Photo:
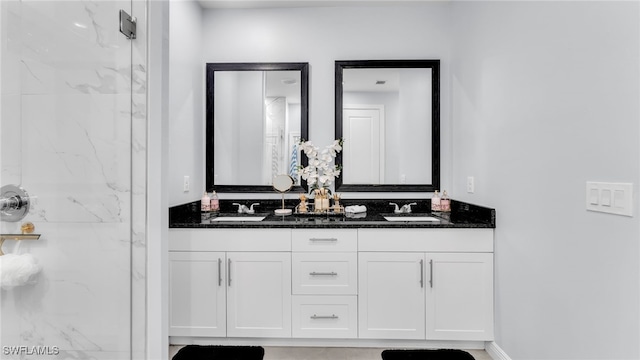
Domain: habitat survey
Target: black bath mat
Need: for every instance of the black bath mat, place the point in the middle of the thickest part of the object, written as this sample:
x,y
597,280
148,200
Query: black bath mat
x,y
444,354
214,352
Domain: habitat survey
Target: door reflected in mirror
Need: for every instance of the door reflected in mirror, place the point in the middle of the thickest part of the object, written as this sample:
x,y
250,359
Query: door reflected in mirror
x,y
256,115
387,112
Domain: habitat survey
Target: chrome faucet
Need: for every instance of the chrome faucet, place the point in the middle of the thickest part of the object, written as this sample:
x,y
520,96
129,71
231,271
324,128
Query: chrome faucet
x,y
243,209
251,210
405,209
396,210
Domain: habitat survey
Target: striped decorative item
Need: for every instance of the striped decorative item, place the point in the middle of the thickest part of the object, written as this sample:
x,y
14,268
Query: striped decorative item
x,y
274,161
293,166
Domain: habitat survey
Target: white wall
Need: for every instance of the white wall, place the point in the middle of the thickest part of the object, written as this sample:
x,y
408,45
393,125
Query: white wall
x,y
186,107
544,98
320,36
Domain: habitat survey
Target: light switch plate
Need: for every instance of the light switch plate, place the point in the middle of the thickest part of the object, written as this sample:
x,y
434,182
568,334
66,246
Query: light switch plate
x,y
612,198
186,184
471,186
593,196
605,197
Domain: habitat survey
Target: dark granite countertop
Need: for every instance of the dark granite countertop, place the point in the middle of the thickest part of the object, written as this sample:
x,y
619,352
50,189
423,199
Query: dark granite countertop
x,y
462,215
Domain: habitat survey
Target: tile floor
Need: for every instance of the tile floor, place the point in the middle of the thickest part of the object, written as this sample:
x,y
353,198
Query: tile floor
x,y
328,353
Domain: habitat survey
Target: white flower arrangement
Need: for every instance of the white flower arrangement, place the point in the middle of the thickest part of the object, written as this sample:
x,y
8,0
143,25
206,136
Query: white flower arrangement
x,y
320,173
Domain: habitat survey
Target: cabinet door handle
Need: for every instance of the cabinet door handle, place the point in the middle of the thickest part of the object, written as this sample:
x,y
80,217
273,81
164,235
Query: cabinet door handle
x,y
323,239
431,273
421,273
229,271
315,317
323,273
219,272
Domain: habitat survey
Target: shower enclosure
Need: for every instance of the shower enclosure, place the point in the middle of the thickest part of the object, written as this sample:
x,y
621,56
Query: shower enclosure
x,y
73,134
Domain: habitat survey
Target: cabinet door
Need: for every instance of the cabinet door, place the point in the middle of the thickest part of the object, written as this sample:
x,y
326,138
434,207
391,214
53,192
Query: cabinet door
x,y
460,296
259,294
391,295
197,295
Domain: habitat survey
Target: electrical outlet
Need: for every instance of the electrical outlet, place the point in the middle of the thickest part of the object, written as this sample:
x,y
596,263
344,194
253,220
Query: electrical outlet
x,y
403,179
471,186
185,184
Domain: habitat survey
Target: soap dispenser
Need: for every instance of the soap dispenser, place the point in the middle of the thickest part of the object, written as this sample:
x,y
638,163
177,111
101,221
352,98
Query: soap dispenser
x,y
435,202
445,202
215,203
205,207
205,202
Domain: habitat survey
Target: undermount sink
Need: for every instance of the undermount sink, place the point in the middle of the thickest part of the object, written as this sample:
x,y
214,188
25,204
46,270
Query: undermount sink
x,y
411,218
239,218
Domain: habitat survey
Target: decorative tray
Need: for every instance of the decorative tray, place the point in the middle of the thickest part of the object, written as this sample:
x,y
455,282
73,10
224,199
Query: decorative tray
x,y
325,213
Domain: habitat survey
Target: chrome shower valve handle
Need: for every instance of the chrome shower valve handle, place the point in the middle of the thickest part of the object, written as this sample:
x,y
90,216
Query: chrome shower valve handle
x,y
14,203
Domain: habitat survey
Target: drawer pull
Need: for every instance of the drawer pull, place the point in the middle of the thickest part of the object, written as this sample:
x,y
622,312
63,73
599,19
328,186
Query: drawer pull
x,y
323,273
324,239
315,317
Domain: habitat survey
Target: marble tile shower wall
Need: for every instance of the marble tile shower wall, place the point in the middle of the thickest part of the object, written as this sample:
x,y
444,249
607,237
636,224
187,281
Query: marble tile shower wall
x,y
73,133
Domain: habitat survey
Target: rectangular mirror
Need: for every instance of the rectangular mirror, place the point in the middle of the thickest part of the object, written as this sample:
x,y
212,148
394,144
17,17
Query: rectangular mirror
x,y
388,113
256,115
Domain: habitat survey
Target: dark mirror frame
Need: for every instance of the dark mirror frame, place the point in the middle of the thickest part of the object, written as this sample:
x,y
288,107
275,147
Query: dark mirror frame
x,y
209,137
434,65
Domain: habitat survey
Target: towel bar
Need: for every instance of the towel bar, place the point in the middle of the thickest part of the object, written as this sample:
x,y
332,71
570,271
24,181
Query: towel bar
x,y
4,237
27,229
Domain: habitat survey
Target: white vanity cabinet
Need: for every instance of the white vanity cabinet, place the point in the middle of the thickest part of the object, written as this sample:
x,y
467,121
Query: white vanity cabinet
x,y
433,284
335,285
325,283
242,291
460,296
391,297
259,294
197,296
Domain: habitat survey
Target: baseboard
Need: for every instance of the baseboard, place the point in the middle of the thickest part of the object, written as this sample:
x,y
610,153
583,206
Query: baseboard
x,y
495,351
368,343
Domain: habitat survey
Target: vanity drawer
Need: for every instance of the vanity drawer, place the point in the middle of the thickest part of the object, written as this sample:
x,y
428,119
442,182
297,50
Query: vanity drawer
x,y
426,240
325,316
229,239
325,273
324,240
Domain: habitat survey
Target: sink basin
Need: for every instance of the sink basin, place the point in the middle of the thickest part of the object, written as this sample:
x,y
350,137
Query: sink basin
x,y
239,218
411,218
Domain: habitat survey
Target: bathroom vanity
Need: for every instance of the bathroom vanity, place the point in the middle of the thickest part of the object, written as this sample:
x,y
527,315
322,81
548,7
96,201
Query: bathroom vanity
x,y
325,279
